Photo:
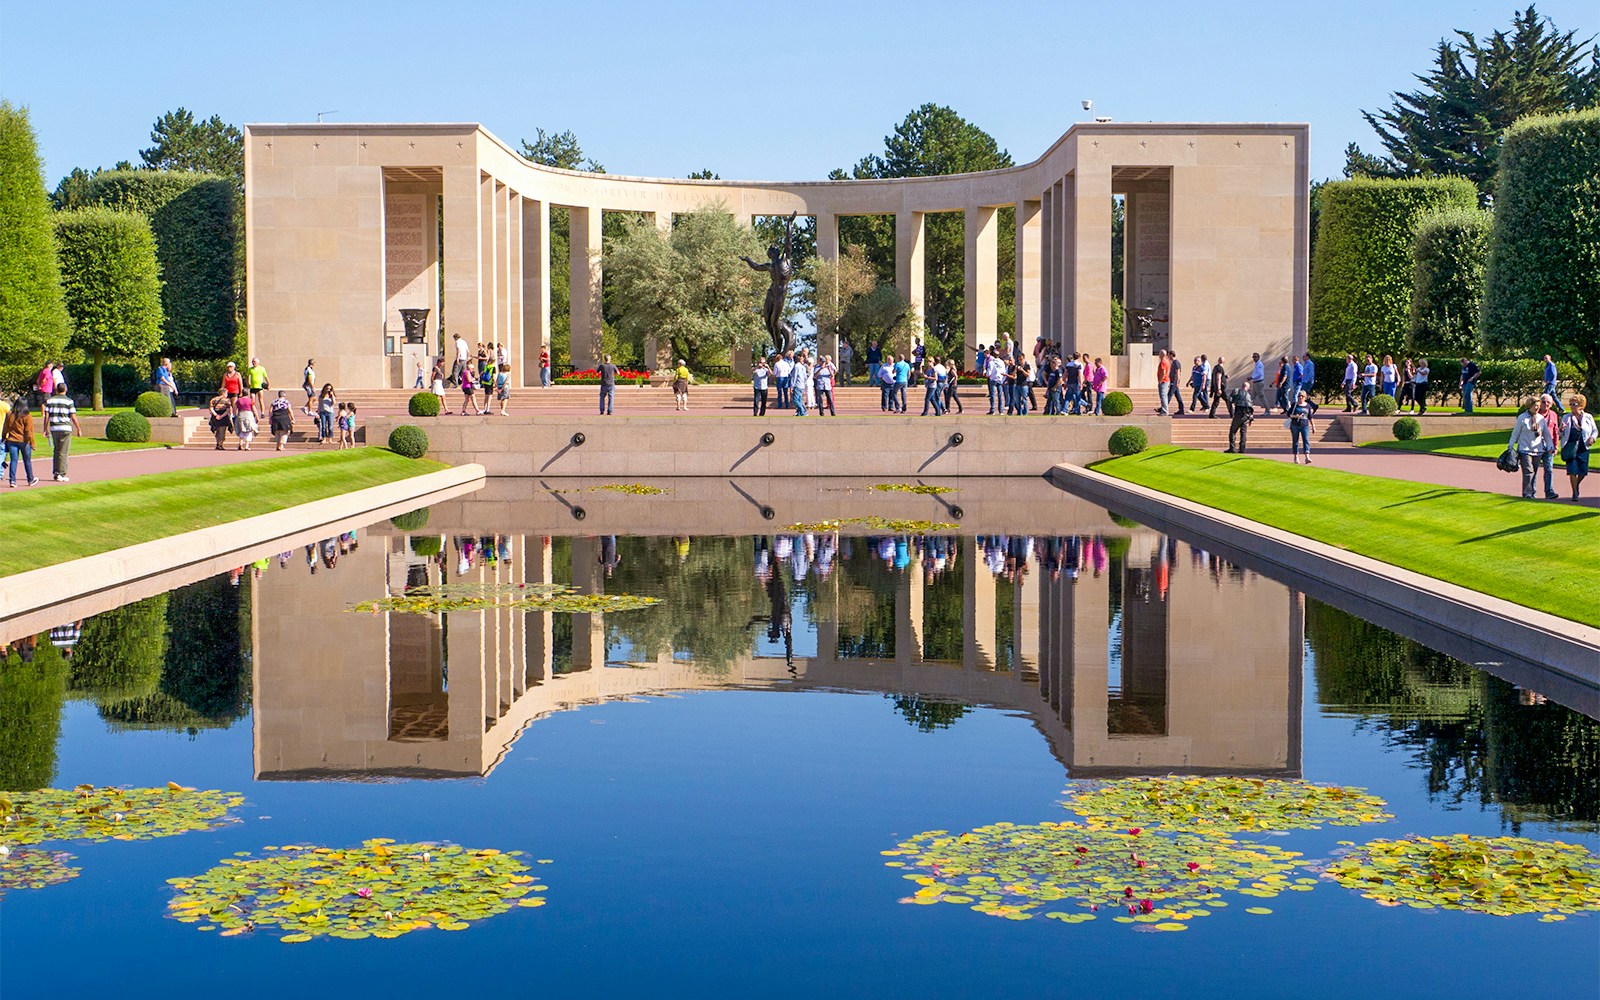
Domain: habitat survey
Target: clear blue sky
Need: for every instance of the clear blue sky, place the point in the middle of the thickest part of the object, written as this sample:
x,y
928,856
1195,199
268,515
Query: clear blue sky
x,y
752,90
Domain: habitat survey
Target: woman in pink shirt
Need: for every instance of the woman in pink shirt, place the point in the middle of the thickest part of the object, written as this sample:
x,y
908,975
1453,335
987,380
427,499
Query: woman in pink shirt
x,y
1097,383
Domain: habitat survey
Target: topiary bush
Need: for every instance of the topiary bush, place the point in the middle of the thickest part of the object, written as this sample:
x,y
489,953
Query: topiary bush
x,y
128,426
1382,405
1116,404
153,404
1407,429
409,440
424,404
1127,441
411,520
427,545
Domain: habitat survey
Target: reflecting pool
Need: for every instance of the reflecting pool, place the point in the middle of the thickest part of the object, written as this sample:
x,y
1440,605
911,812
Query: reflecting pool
x,y
709,791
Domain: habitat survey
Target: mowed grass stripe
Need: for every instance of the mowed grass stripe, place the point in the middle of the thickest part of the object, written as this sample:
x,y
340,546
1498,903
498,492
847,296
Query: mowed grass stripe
x,y
1538,554
70,521
1481,445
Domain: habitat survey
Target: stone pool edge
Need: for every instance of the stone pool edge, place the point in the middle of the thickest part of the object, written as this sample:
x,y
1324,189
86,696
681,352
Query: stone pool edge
x,y
1565,647
116,573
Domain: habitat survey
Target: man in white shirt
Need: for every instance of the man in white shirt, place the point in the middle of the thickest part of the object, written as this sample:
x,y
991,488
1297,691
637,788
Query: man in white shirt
x,y
1349,384
997,380
463,352
781,373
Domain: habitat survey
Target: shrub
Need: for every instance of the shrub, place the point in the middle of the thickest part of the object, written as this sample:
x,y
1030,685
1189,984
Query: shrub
x,y
411,520
1407,429
1116,404
1127,441
1447,279
1382,405
153,404
1123,522
127,426
33,315
409,440
426,545
1540,292
1361,273
193,217
424,404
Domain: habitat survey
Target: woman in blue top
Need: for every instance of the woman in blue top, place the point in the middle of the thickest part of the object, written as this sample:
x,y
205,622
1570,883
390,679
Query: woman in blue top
x,y
1300,427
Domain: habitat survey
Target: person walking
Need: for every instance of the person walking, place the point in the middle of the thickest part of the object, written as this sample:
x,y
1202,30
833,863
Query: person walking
x,y
932,398
1578,435
1163,381
680,386
1300,427
1242,411
436,383
1469,382
1530,437
874,363
1419,386
608,385
902,378
1097,383
166,384
280,421
220,413
469,385
1258,377
782,377
308,382
1219,388
1280,385
1389,376
1369,383
1551,377
256,375
885,382
1407,396
995,372
502,388
799,380
327,407
1348,383
951,395
18,437
847,358
463,353
544,367
823,379
759,376
232,381
1546,411
1054,396
61,420
245,424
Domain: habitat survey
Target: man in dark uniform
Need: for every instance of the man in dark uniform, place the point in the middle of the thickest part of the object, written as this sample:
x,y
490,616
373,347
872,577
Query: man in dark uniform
x,y
1243,413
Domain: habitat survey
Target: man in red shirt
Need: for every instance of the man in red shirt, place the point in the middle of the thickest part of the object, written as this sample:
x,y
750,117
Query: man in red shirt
x,y
232,384
1163,382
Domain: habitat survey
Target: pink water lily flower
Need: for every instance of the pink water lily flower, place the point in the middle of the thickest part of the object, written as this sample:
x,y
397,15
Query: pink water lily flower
x,y
364,893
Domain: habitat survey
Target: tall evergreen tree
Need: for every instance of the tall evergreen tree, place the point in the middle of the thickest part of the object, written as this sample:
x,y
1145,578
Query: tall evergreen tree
x,y
33,317
213,146
1475,90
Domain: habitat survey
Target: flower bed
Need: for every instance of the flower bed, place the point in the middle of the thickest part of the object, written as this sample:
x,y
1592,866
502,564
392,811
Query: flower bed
x,y
591,376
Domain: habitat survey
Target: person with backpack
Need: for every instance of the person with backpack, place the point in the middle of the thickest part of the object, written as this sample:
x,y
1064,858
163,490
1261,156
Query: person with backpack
x,y
1243,412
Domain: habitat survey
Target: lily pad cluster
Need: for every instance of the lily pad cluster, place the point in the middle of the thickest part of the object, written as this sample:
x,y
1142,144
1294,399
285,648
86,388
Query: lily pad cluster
x,y
922,489
632,489
1071,872
1224,804
894,525
503,597
88,813
1497,875
380,889
34,868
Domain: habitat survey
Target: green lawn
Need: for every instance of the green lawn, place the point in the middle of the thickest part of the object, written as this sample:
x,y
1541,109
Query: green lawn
x,y
74,520
1486,445
90,446
1537,554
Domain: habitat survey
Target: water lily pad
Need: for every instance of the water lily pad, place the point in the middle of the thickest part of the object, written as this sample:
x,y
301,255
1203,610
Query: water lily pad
x,y
380,889
92,814
922,489
34,868
1223,804
631,489
1014,870
503,597
1498,875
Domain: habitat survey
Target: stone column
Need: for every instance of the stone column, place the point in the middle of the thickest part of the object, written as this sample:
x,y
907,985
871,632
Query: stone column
x,y
462,247
502,264
982,278
1047,265
910,265
584,232
1062,257
512,334
488,261
1086,663
1025,621
1091,270
908,614
828,249
588,631
539,638
977,609
535,286
1029,321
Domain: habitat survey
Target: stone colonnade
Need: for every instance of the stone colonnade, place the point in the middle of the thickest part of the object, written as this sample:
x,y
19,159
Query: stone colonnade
x,y
343,230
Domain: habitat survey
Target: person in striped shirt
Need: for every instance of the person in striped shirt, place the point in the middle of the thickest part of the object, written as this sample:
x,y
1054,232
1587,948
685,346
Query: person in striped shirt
x,y
61,420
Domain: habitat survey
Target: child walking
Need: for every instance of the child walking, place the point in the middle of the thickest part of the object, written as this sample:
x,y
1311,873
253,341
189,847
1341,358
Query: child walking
x,y
347,427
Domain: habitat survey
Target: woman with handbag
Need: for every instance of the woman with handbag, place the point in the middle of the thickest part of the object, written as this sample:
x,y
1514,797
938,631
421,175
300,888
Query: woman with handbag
x,y
1578,435
1300,427
221,408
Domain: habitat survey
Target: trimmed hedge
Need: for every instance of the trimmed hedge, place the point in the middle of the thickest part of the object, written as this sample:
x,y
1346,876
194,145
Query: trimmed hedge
x,y
33,314
1498,381
128,426
1127,441
193,218
411,520
1407,429
1447,279
426,545
1381,405
153,404
1116,404
1361,273
423,404
409,440
1541,293
112,285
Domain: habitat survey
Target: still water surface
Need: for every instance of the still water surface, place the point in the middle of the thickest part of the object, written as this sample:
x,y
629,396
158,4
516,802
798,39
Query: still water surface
x,y
714,778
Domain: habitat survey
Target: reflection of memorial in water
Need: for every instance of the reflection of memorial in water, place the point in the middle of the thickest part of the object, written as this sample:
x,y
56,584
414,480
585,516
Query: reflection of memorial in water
x,y
1130,654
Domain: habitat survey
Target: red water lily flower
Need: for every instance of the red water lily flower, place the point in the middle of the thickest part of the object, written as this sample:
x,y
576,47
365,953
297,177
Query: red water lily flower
x,y
1192,866
1135,831
1147,906
1128,891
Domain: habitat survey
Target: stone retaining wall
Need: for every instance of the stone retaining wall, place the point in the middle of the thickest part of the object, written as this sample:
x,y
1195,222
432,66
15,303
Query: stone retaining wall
x,y
1361,429
897,447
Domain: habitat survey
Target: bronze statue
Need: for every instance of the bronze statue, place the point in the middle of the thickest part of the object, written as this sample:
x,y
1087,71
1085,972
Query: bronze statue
x,y
778,266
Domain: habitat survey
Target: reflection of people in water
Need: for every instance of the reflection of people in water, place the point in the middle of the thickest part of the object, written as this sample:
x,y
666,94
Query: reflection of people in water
x,y
608,554
780,623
